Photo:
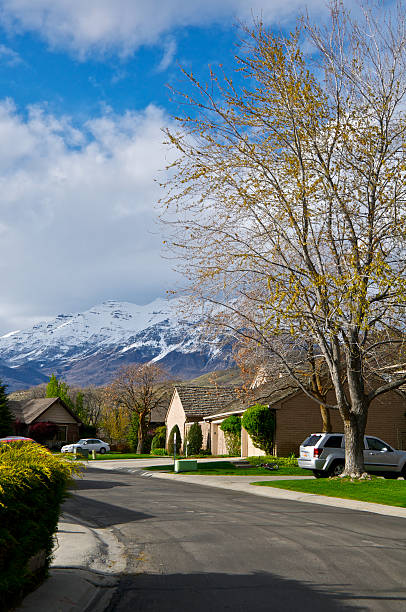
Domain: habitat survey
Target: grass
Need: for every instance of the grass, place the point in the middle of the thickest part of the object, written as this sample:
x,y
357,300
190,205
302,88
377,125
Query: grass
x,y
377,490
226,468
124,456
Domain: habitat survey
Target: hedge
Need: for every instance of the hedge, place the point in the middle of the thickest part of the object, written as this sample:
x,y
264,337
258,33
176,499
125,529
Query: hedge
x,y
33,484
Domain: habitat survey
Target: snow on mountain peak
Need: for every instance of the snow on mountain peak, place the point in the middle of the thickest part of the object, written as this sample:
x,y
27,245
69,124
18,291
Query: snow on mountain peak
x,y
88,347
109,323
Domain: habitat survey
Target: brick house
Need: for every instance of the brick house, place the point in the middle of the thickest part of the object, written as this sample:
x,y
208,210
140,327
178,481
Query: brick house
x,y
297,416
47,409
190,405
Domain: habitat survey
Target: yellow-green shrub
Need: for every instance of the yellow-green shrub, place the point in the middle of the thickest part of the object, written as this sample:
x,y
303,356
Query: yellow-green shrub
x,y
33,484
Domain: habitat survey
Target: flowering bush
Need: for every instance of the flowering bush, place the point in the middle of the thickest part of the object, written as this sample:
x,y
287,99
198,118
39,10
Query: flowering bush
x,y
33,484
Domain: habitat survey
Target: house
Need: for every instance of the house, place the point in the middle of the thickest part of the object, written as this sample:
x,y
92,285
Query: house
x,y
297,415
190,405
47,409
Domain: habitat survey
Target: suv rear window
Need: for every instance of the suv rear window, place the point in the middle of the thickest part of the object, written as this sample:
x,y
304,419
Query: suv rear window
x,y
311,440
333,442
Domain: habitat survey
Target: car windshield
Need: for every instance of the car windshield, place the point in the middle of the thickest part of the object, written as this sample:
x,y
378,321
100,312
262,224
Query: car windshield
x,y
311,440
81,441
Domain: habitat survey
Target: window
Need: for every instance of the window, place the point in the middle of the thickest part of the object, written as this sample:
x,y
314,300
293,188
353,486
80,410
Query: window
x,y
378,445
62,434
311,440
333,442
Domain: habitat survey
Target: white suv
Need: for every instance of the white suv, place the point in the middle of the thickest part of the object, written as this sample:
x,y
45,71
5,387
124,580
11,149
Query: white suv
x,y
324,454
87,444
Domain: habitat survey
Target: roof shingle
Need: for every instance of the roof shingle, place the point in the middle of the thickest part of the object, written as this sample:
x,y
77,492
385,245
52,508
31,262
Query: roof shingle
x,y
203,401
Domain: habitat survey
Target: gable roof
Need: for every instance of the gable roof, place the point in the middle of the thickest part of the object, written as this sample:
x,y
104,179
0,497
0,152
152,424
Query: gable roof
x,y
269,393
158,413
27,411
202,401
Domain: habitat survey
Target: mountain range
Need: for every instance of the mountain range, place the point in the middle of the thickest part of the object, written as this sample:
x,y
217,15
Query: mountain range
x,y
87,348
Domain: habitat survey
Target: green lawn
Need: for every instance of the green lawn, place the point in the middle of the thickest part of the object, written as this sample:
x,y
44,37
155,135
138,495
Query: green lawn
x,y
377,490
226,468
123,456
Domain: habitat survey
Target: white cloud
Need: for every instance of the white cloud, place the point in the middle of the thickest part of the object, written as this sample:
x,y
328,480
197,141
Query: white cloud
x,y
169,51
77,211
99,26
9,56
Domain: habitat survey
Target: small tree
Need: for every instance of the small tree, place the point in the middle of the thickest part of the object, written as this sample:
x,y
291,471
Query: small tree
x,y
58,388
175,429
6,418
159,438
232,433
80,408
194,439
52,389
259,421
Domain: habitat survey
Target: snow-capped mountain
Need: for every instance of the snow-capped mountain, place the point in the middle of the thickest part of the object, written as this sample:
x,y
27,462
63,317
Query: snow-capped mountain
x,y
88,347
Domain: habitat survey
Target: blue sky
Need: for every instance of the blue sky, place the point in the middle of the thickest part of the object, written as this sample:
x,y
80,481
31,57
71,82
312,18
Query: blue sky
x,y
83,100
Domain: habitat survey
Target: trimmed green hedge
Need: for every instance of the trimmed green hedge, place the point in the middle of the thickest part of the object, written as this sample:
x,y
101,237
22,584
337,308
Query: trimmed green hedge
x,y
33,484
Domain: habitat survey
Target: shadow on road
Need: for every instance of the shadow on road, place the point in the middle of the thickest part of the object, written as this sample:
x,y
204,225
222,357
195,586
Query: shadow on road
x,y
100,514
256,592
83,485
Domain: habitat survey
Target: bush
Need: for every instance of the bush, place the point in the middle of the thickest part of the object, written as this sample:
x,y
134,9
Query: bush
x,y
232,433
159,451
175,429
121,447
33,485
159,439
290,461
194,439
259,421
43,431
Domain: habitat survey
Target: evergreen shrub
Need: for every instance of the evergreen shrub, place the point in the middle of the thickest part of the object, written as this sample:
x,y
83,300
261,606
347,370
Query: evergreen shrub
x,y
33,484
174,429
133,432
194,439
159,451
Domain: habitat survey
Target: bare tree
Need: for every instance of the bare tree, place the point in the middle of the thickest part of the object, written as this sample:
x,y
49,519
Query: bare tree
x,y
287,201
93,401
139,388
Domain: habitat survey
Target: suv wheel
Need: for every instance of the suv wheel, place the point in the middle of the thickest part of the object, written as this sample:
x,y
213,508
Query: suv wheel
x,y
391,475
403,472
102,450
336,469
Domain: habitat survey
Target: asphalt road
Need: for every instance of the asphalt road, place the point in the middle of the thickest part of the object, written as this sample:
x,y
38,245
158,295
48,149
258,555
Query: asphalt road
x,y
198,549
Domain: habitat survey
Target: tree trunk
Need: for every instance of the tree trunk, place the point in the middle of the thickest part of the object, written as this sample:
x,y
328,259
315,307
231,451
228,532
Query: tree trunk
x,y
354,429
326,419
141,430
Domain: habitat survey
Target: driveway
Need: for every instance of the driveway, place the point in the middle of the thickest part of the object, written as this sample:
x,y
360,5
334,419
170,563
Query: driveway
x,y
193,548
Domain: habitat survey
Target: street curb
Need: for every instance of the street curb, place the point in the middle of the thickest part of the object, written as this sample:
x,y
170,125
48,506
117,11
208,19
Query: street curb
x,y
70,590
310,498
85,572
